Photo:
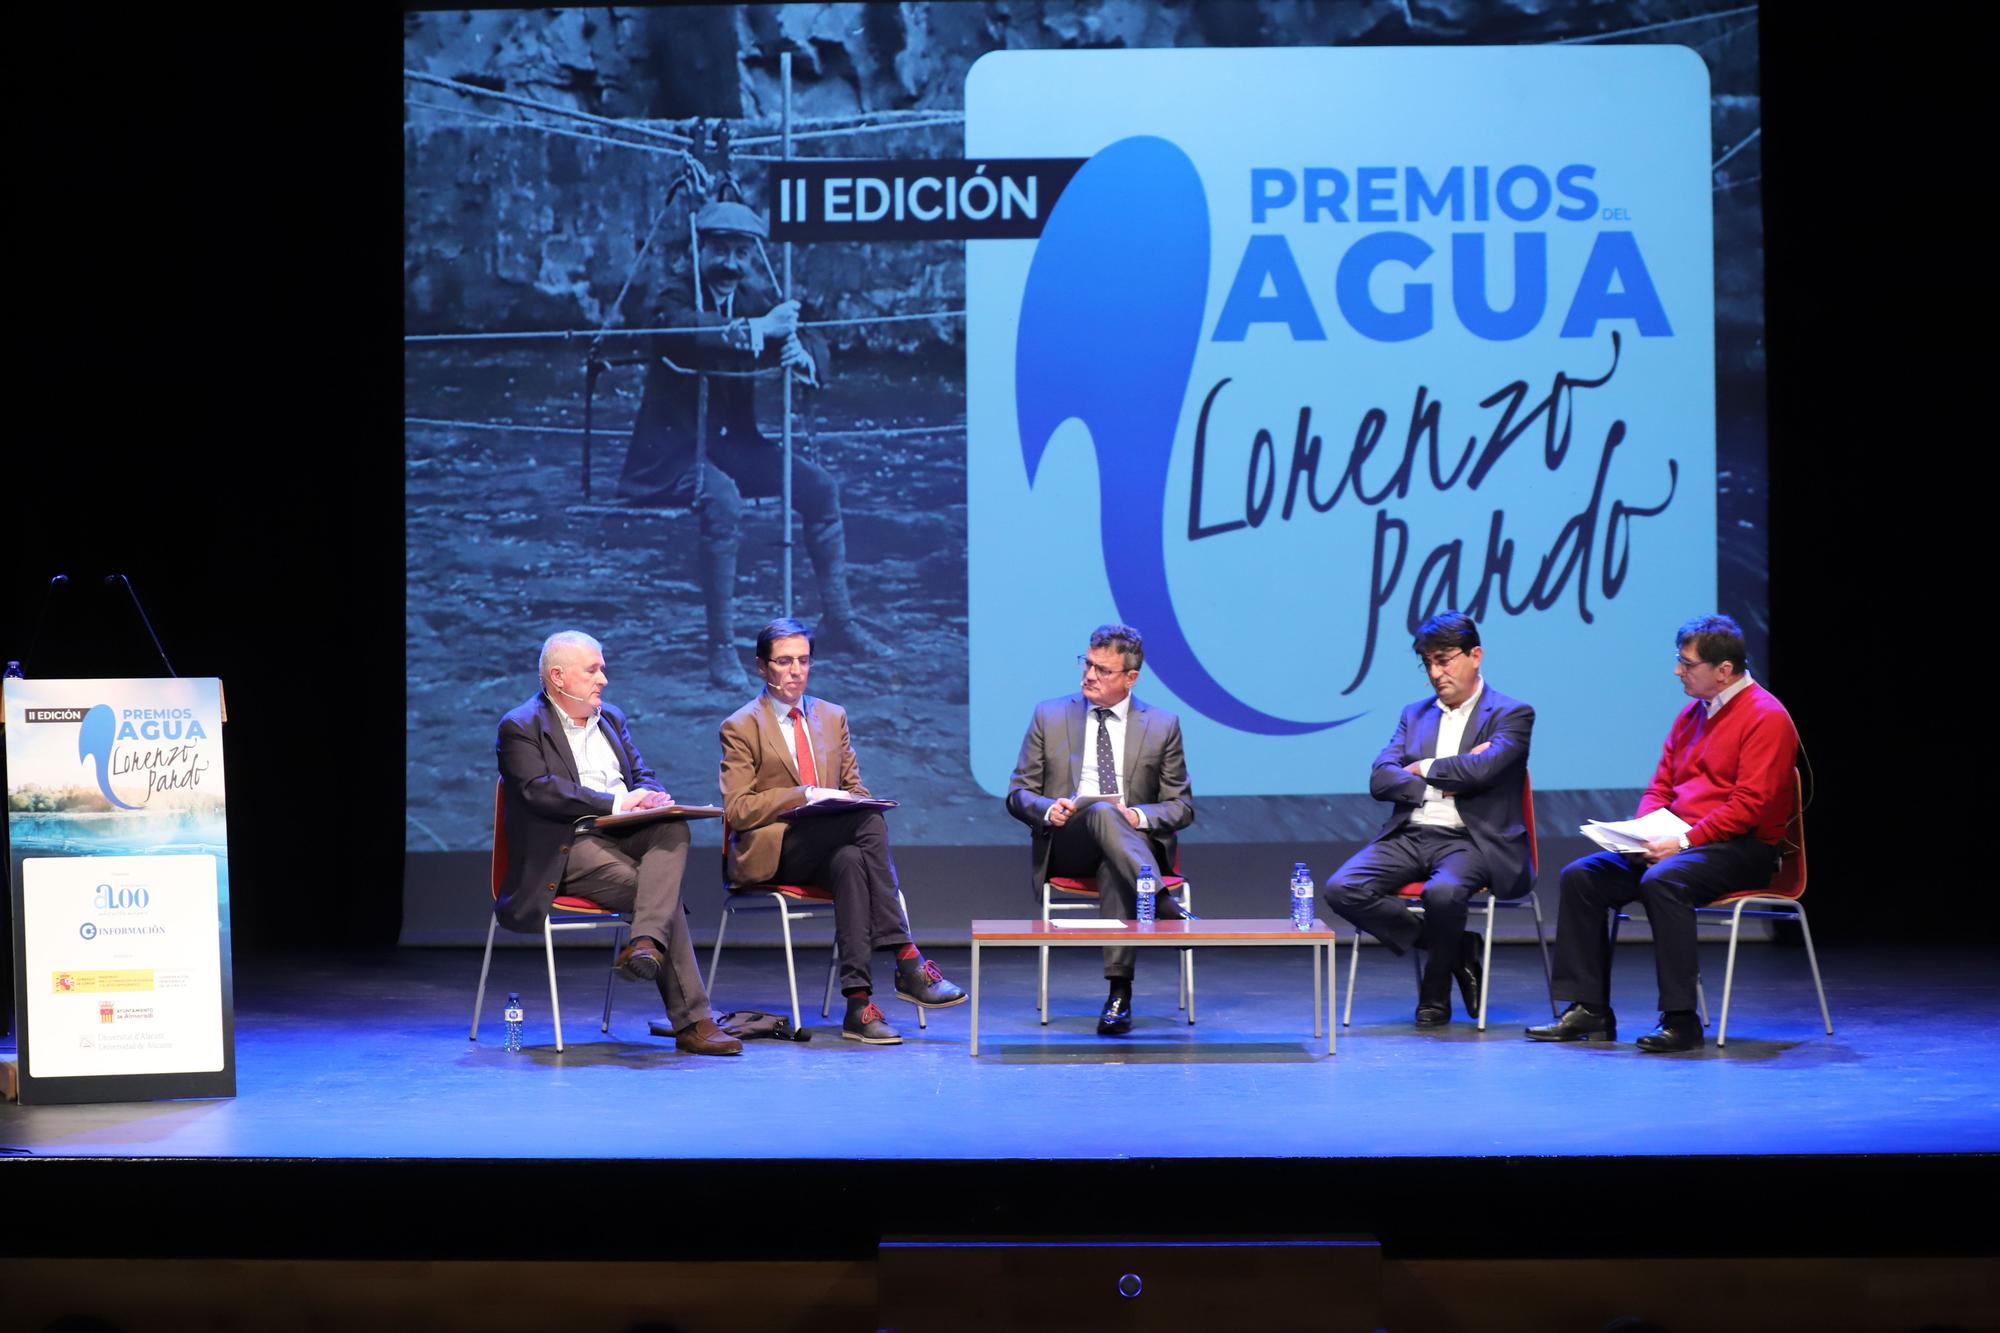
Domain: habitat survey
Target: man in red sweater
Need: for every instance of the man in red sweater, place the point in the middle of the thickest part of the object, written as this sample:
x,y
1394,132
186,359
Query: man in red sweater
x,y
1726,770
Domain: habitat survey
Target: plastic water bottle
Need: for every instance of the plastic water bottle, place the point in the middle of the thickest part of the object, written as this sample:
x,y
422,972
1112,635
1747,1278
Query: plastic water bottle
x,y
1302,896
512,1014
1148,894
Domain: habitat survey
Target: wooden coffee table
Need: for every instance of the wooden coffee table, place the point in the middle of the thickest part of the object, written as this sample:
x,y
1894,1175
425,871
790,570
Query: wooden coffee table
x,y
1234,932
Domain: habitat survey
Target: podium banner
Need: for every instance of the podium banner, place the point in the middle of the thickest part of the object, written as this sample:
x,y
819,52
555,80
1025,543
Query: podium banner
x,y
120,878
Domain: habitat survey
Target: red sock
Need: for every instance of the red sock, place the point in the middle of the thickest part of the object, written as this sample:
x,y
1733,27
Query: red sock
x,y
861,994
906,953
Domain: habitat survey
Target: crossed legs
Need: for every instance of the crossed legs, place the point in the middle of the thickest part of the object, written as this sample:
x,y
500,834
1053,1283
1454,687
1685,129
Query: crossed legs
x,y
640,872
1365,892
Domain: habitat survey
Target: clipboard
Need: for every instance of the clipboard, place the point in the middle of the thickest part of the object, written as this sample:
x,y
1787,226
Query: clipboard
x,y
659,814
815,809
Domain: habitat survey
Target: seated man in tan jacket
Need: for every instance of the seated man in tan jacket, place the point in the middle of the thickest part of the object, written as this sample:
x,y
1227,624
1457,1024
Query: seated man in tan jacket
x,y
785,749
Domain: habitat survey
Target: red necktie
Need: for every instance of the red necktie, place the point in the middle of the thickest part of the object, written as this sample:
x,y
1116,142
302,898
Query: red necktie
x,y
808,775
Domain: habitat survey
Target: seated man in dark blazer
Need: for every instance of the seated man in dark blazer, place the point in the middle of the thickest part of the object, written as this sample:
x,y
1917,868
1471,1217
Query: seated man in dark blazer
x,y
1102,741
565,754
1453,773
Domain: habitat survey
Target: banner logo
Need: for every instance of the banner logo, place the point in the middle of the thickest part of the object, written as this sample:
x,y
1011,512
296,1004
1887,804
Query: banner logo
x,y
1274,384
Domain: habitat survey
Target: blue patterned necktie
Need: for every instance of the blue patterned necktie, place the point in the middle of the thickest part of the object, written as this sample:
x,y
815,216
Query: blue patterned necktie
x,y
1107,768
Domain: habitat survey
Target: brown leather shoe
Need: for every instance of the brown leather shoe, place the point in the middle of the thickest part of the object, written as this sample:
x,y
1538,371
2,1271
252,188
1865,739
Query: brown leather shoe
x,y
703,1037
640,959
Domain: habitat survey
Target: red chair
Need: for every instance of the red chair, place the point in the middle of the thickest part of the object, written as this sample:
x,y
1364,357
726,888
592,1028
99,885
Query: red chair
x,y
1414,892
1779,898
1079,894
567,913
792,902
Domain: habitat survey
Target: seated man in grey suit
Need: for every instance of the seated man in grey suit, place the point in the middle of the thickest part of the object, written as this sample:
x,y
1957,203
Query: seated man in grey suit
x,y
1453,773
565,754
1104,742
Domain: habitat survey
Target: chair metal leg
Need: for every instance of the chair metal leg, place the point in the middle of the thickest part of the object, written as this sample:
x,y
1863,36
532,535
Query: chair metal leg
x,y
1486,963
715,954
479,997
1542,940
1353,971
1728,976
555,1001
1187,956
617,941
1042,992
1826,1015
832,969
791,973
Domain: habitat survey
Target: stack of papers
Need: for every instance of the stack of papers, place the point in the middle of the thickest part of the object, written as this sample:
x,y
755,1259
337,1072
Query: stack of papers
x,y
1632,835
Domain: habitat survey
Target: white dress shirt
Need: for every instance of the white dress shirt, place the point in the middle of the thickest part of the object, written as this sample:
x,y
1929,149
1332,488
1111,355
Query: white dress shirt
x,y
796,736
1440,808
1714,705
1087,783
597,765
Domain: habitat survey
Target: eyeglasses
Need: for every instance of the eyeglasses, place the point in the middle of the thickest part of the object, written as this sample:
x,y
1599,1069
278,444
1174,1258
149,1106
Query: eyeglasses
x,y
785,663
1438,661
1096,672
1682,664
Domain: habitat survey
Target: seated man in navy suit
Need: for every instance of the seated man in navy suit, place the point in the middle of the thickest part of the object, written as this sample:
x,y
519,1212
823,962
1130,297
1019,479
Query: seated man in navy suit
x,y
1454,773
566,754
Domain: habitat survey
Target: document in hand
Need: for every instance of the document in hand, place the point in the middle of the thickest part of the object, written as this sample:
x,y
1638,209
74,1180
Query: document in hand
x,y
838,805
1632,835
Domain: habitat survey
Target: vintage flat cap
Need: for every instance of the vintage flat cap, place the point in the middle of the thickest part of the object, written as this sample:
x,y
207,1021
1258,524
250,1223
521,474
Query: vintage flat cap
x,y
728,215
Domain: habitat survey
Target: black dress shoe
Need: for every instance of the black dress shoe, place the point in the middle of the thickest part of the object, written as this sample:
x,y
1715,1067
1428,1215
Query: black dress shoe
x,y
1116,1020
1433,1013
1673,1034
1578,1024
1471,973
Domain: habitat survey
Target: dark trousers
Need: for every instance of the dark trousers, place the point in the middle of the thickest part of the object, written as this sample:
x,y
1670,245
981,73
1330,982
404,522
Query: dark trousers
x,y
1364,892
1098,844
1671,889
848,855
640,872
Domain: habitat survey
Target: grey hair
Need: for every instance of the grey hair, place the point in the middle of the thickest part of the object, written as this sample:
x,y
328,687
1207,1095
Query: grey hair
x,y
564,638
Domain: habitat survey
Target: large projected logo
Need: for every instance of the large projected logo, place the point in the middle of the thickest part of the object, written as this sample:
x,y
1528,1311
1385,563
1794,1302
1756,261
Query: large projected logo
x,y
1276,383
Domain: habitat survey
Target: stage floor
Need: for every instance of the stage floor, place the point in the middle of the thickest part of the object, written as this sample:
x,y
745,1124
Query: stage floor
x,y
366,1057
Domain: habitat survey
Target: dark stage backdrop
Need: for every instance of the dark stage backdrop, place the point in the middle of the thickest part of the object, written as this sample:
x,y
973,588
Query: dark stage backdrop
x,y
214,404
1567,217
